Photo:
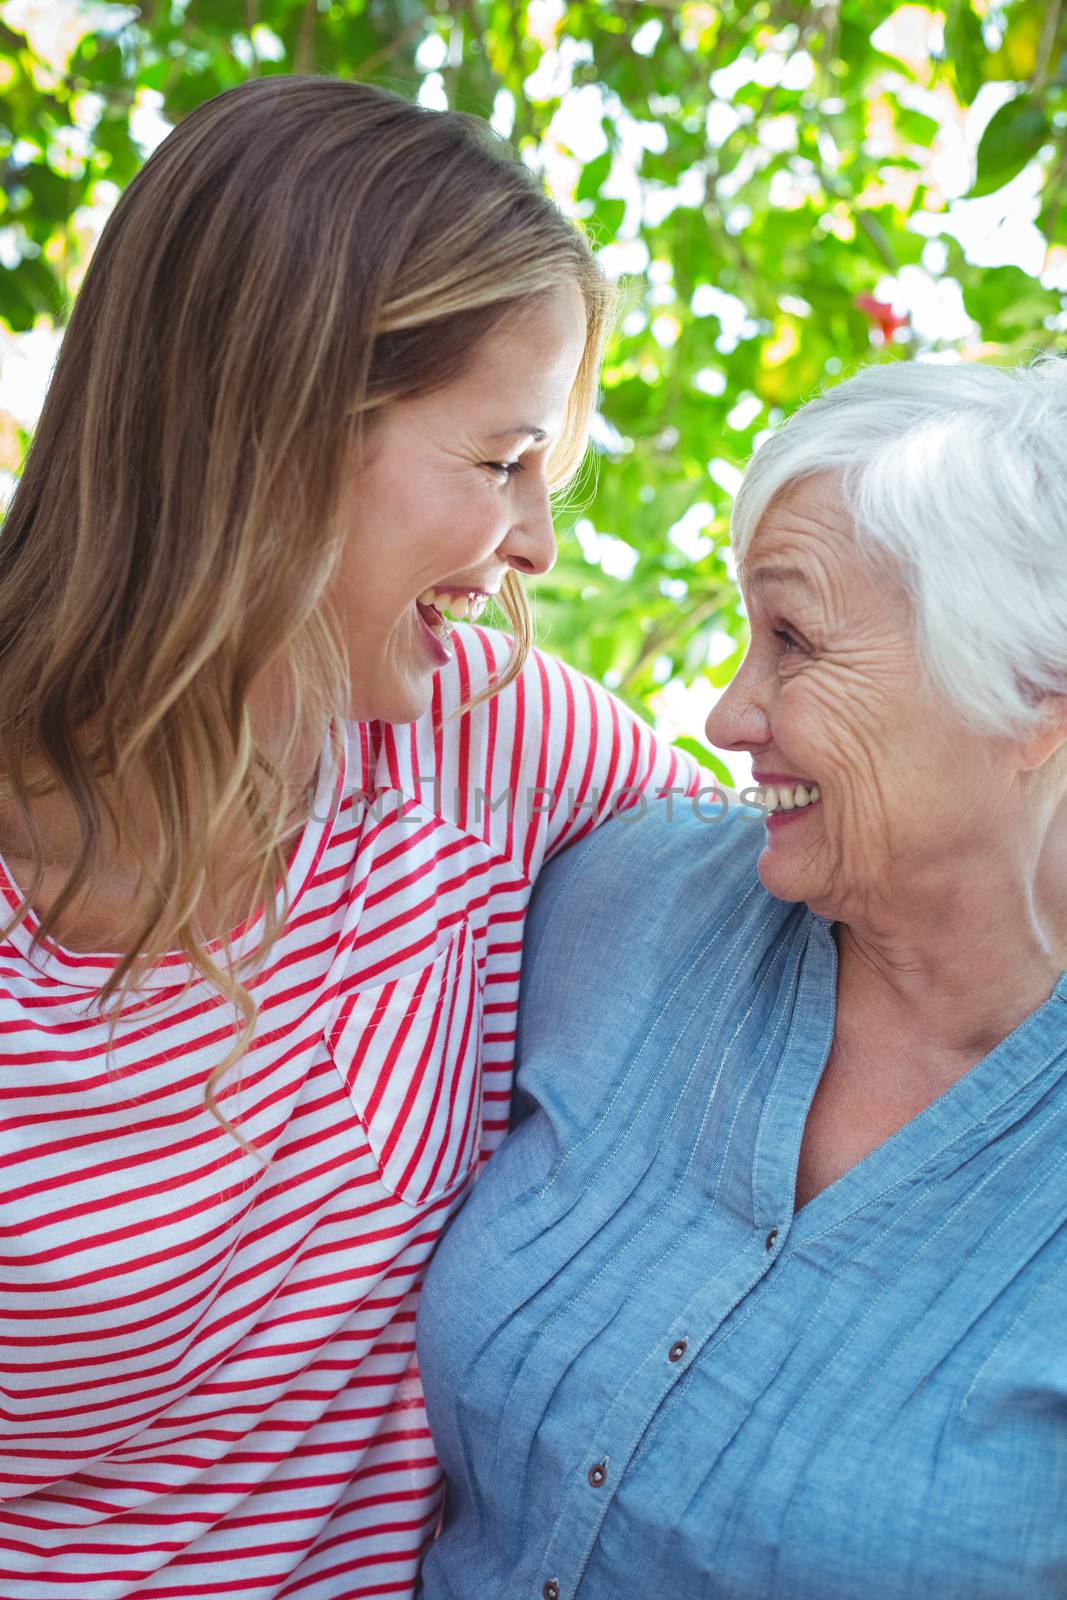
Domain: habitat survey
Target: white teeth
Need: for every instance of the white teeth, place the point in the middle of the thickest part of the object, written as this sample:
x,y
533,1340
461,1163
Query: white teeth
x,y
460,606
441,628
788,797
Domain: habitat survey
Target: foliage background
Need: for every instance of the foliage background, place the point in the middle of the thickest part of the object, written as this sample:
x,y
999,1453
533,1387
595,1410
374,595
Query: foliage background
x,y
783,191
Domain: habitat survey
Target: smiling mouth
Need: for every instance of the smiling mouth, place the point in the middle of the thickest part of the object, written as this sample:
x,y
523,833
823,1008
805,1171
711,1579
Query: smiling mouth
x,y
776,797
437,625
460,605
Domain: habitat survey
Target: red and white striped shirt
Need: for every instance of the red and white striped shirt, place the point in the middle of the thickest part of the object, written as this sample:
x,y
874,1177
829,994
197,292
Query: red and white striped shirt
x,y
207,1373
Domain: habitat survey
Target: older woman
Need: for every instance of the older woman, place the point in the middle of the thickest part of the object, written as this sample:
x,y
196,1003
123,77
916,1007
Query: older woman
x,y
766,1296
331,355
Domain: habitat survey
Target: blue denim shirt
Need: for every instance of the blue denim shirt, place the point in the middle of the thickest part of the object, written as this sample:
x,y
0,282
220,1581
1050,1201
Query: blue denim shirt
x,y
645,1375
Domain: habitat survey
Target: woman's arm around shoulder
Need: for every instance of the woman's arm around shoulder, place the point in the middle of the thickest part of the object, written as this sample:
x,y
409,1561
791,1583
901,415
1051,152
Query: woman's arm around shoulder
x,y
612,918
540,765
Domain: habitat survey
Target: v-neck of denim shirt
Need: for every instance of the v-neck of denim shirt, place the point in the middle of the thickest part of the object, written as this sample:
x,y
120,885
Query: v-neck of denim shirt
x,y
961,1114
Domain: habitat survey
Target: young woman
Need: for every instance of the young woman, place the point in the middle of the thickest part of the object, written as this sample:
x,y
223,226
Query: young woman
x,y
268,827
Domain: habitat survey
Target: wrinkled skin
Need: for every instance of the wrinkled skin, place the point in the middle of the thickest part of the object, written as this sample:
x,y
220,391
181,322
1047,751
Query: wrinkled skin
x,y
939,853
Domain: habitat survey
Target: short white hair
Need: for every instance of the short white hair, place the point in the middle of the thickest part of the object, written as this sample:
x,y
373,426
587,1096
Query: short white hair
x,y
959,474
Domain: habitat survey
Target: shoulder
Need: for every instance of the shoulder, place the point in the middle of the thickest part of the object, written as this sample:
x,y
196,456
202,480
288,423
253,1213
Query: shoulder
x,y
648,883
544,684
562,727
479,656
622,916
628,921
534,765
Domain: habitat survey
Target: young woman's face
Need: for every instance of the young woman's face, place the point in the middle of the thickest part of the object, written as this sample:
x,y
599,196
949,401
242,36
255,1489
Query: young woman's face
x,y
453,493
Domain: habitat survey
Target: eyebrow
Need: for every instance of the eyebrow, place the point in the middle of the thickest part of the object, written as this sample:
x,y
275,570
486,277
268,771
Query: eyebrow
x,y
522,430
764,575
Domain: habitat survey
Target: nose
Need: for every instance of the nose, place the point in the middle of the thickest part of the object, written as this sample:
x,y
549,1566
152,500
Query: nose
x,y
739,719
530,544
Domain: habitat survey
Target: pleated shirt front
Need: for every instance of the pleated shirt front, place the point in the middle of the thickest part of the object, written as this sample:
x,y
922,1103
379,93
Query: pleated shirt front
x,y
646,1377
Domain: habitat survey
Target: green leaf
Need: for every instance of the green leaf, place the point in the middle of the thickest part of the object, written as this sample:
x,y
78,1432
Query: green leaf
x,y
1006,302
159,74
1014,136
966,49
606,219
593,175
704,756
720,676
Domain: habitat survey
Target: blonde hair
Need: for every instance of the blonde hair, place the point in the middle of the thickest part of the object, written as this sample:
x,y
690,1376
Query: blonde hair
x,y
298,253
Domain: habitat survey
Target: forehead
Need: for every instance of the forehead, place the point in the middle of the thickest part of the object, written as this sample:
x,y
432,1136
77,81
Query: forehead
x,y
804,555
518,377
771,572
535,349
804,537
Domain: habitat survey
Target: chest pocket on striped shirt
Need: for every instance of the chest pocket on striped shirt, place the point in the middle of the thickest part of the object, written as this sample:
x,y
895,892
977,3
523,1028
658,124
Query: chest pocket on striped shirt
x,y
409,1052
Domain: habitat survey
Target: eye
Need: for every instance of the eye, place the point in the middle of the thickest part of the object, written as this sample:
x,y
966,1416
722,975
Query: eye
x,y
787,640
504,469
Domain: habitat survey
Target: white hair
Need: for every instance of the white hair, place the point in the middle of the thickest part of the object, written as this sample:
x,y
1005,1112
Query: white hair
x,y
959,474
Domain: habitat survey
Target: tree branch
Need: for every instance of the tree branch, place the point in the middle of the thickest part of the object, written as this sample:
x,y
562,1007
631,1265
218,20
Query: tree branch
x,y
304,54
1048,43
251,19
393,48
661,636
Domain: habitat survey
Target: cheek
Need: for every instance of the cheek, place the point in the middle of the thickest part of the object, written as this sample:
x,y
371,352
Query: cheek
x,y
408,534
464,513
806,713
826,724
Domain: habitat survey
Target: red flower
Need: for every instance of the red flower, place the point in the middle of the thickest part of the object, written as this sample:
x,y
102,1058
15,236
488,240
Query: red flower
x,y
881,315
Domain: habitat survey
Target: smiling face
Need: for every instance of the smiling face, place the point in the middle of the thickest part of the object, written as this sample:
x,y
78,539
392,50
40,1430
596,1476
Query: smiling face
x,y
454,493
831,692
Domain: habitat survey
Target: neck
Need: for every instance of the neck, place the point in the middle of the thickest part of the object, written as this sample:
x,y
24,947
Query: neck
x,y
968,960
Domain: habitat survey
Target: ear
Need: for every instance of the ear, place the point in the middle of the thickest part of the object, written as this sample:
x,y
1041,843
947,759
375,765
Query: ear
x,y
1048,735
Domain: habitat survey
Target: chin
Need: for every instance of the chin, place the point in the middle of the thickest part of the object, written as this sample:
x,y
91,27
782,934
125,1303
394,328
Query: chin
x,y
393,702
778,879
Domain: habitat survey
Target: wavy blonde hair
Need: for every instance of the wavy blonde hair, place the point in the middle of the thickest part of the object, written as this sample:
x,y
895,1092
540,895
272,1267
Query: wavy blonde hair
x,y
296,254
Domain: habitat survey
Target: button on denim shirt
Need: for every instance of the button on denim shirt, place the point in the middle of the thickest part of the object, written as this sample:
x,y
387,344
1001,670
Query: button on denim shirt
x,y
645,1375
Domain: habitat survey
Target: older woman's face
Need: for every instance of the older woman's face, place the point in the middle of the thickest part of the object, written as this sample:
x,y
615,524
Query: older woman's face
x,y
831,693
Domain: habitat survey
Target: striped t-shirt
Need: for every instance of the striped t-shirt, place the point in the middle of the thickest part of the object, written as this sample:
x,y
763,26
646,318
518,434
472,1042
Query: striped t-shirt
x,y
207,1373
